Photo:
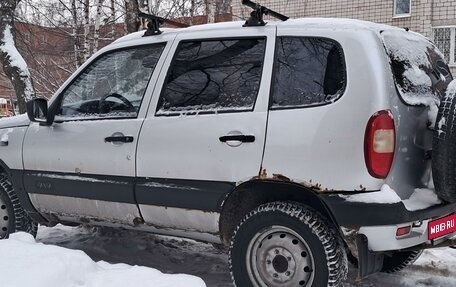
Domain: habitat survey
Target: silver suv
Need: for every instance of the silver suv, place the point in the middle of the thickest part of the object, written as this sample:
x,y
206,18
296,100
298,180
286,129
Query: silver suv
x,y
298,144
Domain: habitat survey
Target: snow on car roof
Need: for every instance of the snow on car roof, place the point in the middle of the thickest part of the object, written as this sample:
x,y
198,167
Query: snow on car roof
x,y
304,23
335,23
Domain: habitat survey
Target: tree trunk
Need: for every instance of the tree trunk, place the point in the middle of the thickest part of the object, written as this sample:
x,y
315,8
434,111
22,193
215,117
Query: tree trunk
x,y
210,11
77,54
131,15
192,11
96,33
86,29
13,64
113,20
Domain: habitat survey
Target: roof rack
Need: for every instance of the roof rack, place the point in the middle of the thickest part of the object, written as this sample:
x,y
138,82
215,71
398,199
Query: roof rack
x,y
256,17
153,27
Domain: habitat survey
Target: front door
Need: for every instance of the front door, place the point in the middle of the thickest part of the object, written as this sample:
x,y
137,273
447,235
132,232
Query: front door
x,y
82,167
205,129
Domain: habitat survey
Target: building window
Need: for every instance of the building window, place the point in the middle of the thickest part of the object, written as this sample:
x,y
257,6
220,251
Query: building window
x,y
445,40
402,8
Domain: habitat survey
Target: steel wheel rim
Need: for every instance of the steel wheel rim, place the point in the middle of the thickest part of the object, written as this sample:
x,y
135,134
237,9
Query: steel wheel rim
x,y
4,219
279,256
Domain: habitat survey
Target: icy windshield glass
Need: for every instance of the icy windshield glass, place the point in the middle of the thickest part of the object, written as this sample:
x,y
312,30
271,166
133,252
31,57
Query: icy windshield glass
x,y
421,74
112,86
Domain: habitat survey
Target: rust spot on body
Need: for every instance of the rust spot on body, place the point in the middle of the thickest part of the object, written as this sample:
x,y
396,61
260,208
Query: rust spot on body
x,y
280,177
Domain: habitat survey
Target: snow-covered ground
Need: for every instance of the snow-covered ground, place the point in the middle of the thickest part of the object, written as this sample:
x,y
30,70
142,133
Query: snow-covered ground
x,y
36,263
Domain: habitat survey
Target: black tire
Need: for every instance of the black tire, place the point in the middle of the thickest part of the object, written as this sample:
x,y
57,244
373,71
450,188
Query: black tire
x,y
399,260
13,217
287,244
444,150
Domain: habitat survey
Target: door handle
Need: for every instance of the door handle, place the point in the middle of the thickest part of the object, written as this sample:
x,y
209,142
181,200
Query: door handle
x,y
241,138
123,139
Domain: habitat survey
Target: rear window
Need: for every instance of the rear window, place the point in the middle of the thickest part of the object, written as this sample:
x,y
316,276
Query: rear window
x,y
420,71
308,72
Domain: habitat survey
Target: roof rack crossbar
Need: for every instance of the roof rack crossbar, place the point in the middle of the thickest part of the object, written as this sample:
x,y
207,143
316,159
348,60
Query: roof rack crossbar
x,y
256,17
153,27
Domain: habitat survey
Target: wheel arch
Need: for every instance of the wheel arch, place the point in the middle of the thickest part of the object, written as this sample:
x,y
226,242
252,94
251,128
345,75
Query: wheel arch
x,y
251,194
16,177
5,169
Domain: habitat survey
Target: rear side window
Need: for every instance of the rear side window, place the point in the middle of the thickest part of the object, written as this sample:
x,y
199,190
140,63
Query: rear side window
x,y
213,76
420,71
308,72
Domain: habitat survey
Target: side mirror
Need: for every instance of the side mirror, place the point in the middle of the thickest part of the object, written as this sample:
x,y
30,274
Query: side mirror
x,y
37,111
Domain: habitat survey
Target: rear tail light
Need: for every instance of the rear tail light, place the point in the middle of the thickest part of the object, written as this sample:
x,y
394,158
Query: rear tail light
x,y
379,144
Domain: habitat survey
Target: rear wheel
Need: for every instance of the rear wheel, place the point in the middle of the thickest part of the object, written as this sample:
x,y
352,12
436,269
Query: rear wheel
x,y
399,260
13,217
286,244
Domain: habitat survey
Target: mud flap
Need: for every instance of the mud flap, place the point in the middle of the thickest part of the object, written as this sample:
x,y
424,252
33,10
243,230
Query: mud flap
x,y
368,262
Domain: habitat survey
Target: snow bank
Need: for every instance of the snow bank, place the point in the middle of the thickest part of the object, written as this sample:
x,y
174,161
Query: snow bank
x,y
385,195
28,263
435,268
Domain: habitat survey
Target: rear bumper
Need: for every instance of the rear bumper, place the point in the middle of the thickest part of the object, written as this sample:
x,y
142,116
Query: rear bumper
x,y
379,222
383,238
358,214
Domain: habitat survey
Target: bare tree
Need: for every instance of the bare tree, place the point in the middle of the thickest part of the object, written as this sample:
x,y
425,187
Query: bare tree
x,y
82,27
131,15
72,36
13,63
96,33
210,11
192,11
74,24
86,29
113,19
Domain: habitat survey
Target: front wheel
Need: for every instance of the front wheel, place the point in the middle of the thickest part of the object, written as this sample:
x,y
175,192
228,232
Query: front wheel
x,y
287,244
13,217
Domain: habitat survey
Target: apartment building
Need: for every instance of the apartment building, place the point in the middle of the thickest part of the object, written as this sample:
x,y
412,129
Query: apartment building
x,y
435,19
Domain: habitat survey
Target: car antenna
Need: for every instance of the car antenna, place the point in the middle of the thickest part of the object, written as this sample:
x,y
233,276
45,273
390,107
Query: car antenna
x,y
256,16
153,27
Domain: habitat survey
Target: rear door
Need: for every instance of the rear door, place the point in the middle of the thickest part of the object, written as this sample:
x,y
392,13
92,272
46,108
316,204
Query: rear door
x,y
205,131
306,120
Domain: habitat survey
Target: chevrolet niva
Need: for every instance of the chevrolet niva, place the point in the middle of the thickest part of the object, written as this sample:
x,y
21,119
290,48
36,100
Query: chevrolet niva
x,y
300,145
